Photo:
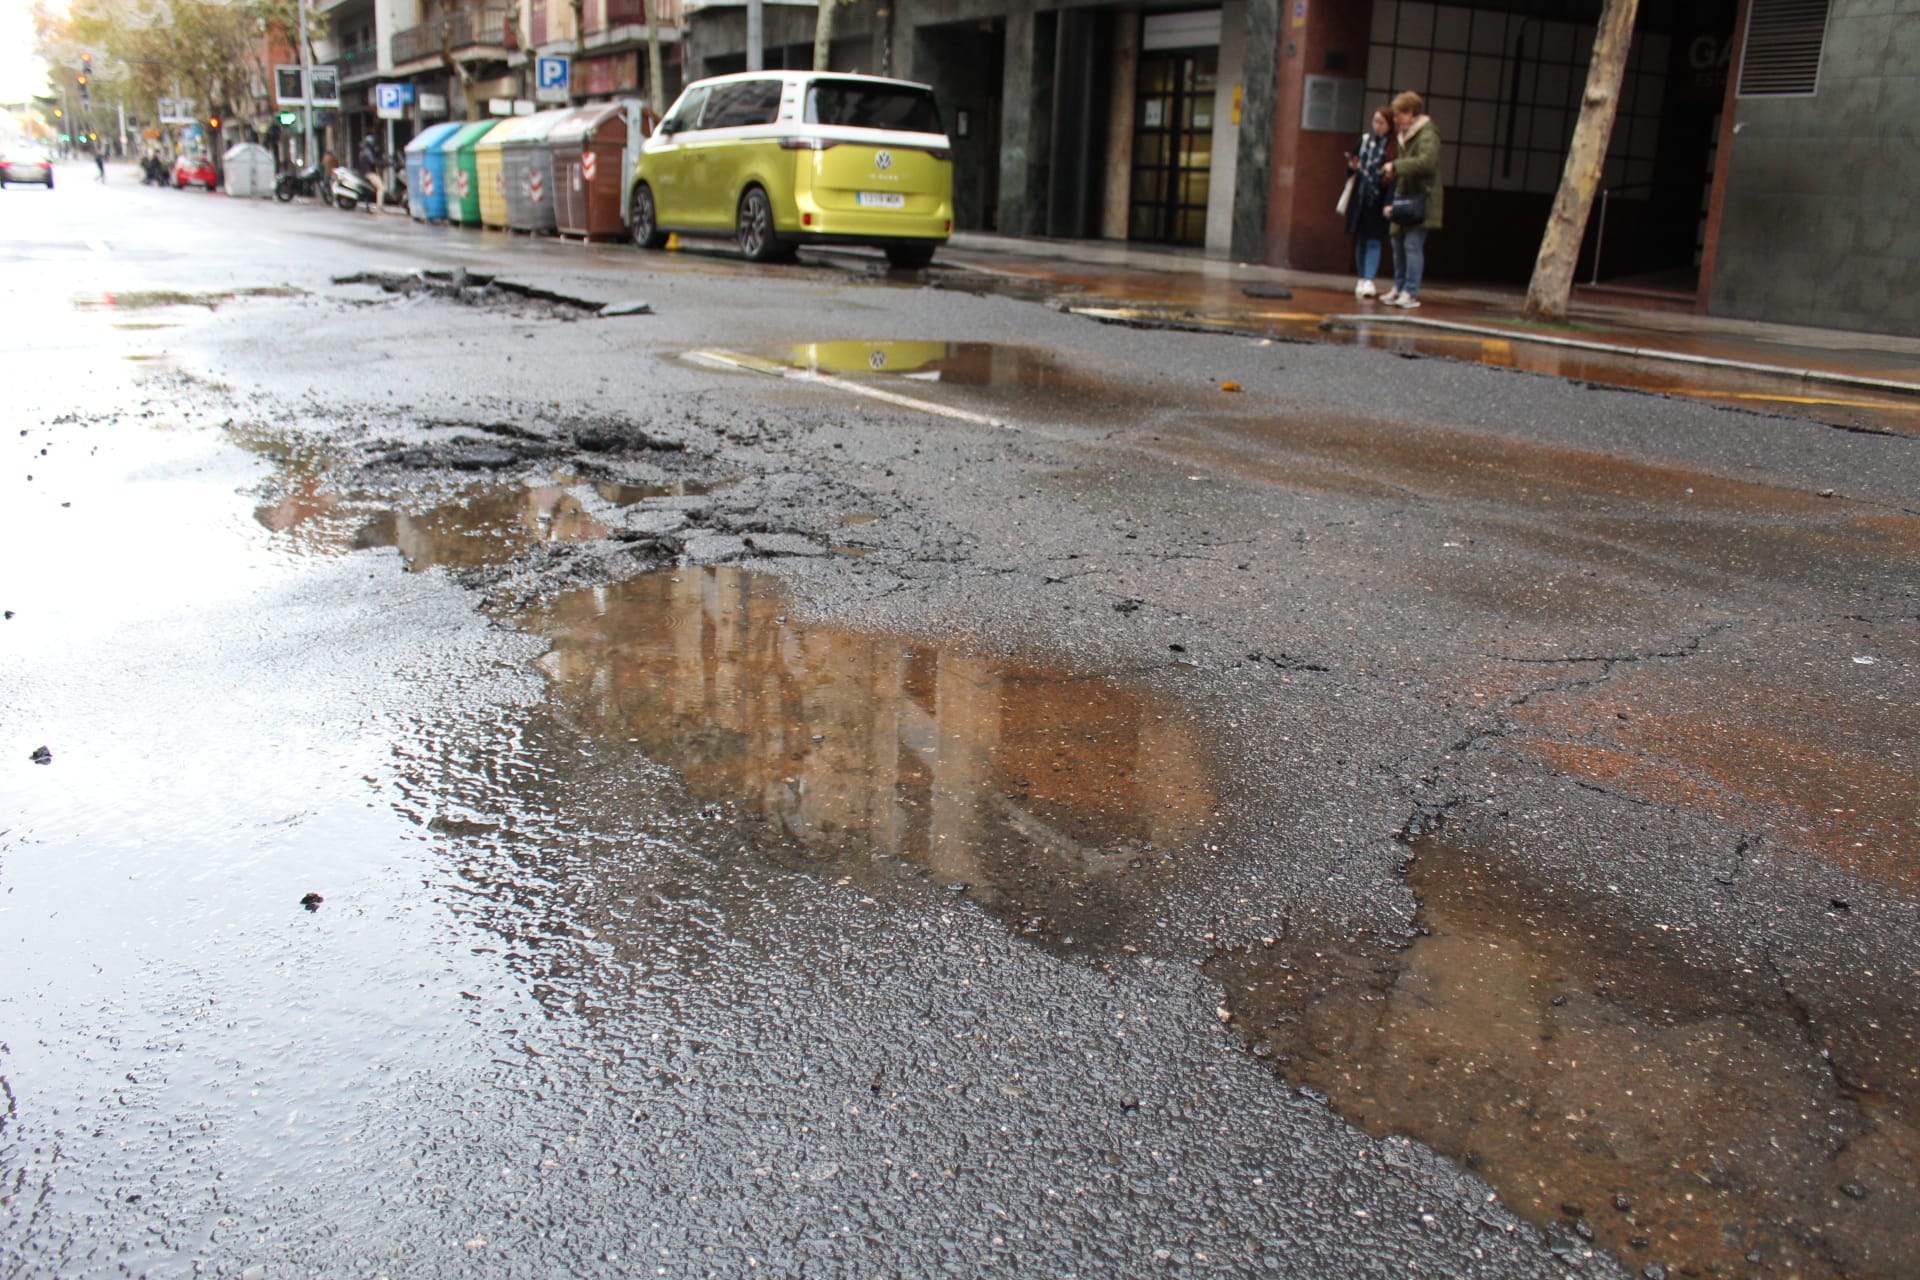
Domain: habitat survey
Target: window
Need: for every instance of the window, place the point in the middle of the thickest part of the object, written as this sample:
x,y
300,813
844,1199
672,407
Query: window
x,y
686,115
1782,56
742,103
869,106
1505,90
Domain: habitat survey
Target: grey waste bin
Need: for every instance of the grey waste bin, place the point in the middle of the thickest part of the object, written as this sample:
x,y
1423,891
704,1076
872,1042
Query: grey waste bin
x,y
526,162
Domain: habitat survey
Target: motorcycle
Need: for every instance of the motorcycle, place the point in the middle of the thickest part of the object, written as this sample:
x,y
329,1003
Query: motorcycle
x,y
350,188
310,181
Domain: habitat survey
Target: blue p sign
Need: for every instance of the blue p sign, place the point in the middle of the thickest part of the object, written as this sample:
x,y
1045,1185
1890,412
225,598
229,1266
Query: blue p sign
x,y
553,73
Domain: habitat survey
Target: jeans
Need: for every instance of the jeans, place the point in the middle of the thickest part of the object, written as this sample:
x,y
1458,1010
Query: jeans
x,y
1366,257
1409,259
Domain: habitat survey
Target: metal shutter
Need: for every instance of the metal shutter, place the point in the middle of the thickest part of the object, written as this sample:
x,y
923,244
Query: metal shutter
x,y
1782,57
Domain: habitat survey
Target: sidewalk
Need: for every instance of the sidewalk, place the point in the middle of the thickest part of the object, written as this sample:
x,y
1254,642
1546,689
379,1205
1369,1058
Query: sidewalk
x,y
1851,379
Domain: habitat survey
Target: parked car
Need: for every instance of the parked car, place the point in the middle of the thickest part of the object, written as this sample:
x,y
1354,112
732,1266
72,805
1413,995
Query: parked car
x,y
783,159
191,169
24,162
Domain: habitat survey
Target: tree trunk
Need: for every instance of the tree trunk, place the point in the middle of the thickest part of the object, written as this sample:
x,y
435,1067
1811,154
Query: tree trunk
x,y
656,73
1552,280
823,35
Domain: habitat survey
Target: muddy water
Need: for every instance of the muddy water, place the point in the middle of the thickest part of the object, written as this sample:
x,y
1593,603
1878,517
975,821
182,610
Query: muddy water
x,y
1062,804
1596,1078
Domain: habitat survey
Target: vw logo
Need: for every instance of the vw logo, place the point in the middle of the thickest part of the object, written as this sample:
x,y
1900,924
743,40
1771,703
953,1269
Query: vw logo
x,y
883,159
877,358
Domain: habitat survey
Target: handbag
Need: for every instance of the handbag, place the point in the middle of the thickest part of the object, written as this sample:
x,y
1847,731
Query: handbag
x,y
1346,196
1409,211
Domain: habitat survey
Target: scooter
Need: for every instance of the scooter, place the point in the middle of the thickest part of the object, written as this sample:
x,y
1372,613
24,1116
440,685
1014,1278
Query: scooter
x,y
310,181
350,188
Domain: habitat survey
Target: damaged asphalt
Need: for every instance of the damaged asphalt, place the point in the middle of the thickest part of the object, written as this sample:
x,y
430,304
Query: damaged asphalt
x,y
1368,779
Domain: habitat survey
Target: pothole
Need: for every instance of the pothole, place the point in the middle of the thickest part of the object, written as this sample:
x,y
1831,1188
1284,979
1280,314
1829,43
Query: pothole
x,y
1595,1075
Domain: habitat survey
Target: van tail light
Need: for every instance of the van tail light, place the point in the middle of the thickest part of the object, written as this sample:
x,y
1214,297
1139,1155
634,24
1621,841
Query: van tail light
x,y
807,144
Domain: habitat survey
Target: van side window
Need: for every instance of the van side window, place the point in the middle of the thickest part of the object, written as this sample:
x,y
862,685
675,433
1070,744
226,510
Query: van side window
x,y
745,102
686,112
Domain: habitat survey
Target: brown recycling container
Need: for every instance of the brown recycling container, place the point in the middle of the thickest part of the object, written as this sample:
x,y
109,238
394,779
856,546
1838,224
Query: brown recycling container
x,y
588,148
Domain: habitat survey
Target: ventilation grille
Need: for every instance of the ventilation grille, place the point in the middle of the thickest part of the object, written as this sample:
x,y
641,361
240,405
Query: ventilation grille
x,y
1782,56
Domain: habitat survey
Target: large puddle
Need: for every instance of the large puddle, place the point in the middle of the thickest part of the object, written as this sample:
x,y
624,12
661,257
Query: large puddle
x,y
1061,803
1596,1078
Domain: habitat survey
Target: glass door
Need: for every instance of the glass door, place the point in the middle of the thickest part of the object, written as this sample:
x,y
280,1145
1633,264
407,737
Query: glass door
x,y
1173,146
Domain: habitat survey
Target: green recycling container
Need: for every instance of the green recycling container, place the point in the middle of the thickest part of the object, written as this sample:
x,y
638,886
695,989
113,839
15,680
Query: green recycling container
x,y
463,175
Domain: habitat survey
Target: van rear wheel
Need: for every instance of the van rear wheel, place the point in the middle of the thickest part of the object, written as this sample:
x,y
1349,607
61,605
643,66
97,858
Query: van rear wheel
x,y
753,228
645,227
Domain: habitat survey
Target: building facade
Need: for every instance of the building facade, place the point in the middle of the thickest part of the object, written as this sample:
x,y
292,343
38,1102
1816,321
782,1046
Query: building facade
x,y
1732,182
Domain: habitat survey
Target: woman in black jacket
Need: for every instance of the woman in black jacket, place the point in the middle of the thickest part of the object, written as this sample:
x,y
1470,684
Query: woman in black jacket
x,y
1371,192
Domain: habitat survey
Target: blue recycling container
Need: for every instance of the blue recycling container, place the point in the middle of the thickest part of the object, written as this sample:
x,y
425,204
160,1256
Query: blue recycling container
x,y
426,173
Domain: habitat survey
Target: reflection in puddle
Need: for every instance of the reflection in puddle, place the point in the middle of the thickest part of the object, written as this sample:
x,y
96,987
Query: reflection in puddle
x,y
1059,802
489,527
985,374
1590,1074
476,528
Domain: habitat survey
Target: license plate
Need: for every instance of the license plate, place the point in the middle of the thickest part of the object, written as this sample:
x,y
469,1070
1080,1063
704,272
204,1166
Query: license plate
x,y
881,200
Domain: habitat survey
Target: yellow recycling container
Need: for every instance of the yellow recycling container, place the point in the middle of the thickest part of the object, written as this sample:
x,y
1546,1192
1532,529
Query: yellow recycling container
x,y
491,174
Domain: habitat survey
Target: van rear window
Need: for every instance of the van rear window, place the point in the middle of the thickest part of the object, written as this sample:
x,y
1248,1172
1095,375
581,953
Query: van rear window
x,y
871,106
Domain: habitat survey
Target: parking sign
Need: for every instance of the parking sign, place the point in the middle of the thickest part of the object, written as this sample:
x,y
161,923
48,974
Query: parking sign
x,y
553,76
387,102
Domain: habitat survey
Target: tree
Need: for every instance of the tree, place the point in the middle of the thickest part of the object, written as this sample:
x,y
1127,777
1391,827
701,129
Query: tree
x,y
823,34
212,51
1552,282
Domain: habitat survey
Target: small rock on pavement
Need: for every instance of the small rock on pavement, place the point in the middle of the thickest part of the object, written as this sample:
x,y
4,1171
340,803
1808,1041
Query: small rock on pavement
x,y
312,901
41,756
626,309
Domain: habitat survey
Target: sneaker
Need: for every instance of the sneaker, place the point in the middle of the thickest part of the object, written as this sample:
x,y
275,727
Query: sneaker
x,y
1364,290
1391,297
1406,301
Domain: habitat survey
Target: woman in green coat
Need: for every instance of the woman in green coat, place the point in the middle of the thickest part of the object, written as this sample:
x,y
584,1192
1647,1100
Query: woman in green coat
x,y
1416,170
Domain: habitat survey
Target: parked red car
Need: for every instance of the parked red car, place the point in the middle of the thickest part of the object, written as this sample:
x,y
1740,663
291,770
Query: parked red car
x,y
191,169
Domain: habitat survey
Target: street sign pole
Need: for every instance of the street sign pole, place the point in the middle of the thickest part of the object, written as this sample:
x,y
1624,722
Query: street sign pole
x,y
306,82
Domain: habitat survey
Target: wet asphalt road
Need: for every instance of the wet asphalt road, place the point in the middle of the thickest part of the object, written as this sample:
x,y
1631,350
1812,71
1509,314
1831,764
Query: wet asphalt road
x,y
1054,816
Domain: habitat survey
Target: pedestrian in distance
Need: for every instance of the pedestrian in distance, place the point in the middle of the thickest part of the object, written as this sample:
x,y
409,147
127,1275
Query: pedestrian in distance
x,y
369,159
1415,173
1366,199
100,161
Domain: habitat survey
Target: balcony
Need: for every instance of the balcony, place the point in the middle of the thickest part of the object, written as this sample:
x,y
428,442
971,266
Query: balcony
x,y
359,64
470,35
601,16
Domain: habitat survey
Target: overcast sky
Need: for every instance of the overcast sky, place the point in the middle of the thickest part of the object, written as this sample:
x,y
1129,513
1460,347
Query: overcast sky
x,y
21,74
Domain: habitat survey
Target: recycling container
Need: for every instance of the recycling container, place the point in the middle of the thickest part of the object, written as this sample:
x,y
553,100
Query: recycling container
x,y
587,177
527,159
489,170
463,179
437,165
249,171
426,198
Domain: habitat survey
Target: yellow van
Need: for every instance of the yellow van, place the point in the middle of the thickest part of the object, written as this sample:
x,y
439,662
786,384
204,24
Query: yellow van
x,y
786,158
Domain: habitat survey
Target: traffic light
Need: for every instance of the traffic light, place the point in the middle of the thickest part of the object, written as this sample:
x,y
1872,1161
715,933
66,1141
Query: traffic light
x,y
288,117
213,122
84,79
